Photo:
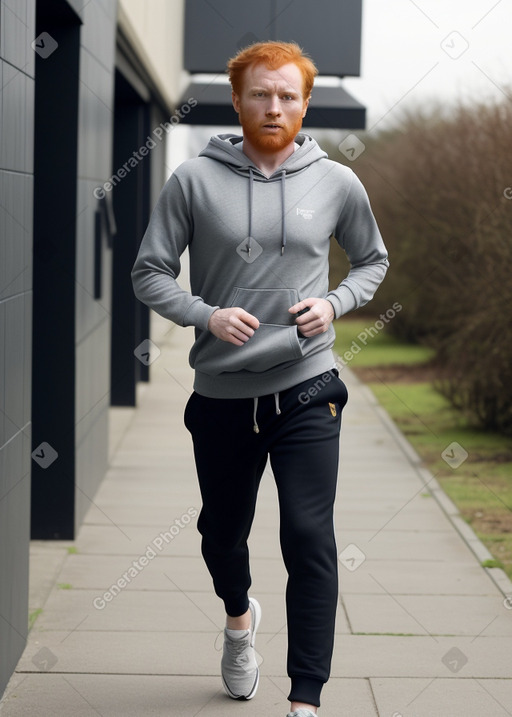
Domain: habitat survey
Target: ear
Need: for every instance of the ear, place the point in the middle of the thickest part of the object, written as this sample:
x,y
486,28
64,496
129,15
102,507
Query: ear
x,y
236,101
305,107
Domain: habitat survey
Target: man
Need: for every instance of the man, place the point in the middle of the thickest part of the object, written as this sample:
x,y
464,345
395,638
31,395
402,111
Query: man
x,y
257,213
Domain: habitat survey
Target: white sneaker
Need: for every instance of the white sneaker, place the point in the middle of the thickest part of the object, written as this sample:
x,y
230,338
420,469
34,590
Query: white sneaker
x,y
239,668
301,712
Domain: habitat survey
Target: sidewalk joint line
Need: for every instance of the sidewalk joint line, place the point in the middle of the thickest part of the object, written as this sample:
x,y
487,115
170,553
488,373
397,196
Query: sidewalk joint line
x,y
403,608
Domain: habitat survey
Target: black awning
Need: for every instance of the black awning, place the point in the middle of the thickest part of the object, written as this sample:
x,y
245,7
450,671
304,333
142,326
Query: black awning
x,y
331,107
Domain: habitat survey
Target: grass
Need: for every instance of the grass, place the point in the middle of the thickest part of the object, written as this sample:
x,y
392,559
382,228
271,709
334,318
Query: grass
x,y
33,617
401,379
360,343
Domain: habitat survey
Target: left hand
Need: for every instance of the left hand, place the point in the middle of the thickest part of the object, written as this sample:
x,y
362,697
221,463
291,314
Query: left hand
x,y
315,321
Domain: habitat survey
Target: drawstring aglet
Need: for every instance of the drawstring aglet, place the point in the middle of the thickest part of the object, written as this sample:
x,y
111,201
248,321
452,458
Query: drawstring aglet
x,y
255,428
282,250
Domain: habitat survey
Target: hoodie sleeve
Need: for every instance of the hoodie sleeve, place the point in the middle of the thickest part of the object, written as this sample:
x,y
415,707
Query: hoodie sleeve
x,y
358,234
158,264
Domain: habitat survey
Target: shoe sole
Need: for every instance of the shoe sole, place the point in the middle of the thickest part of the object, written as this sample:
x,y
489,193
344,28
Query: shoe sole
x,y
257,617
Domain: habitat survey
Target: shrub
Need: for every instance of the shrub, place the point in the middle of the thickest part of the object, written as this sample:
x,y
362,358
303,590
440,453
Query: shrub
x,y
438,187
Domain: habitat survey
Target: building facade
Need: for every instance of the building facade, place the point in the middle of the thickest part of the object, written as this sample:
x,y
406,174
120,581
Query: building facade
x,y
87,90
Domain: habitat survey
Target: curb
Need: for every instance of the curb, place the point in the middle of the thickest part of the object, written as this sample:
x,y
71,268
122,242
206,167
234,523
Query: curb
x,y
466,532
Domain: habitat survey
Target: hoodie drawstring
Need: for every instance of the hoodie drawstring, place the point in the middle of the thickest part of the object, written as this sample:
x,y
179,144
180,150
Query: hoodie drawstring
x,y
283,211
255,427
249,238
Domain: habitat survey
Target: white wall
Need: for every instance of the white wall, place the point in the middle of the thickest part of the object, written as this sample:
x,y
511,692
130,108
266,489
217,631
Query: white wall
x,y
155,30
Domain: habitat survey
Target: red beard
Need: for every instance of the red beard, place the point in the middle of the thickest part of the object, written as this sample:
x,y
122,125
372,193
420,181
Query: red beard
x,y
269,143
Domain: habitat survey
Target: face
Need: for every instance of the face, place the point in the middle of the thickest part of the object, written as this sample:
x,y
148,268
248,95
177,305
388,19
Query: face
x,y
271,106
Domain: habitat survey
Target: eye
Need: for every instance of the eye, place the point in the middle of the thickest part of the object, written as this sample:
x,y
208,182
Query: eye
x,y
288,97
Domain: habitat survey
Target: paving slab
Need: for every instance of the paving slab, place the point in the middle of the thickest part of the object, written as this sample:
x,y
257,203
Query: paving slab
x,y
428,614
443,697
414,577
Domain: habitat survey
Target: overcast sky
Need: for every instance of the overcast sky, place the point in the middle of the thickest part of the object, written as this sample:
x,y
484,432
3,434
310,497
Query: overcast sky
x,y
415,52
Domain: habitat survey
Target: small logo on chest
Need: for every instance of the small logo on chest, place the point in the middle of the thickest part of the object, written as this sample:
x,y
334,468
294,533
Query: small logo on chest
x,y
305,213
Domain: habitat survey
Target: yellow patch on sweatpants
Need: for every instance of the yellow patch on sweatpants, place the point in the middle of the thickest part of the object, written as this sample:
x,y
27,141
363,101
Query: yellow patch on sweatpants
x,y
332,406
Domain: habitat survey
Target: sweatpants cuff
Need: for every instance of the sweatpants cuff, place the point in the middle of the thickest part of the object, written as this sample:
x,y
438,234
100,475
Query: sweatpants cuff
x,y
306,689
237,607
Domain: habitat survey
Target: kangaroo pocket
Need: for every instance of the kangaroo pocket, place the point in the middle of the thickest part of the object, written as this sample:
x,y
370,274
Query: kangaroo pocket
x,y
275,341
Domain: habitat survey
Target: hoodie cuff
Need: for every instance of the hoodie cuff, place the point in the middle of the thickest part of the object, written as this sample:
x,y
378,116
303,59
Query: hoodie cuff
x,y
342,300
198,315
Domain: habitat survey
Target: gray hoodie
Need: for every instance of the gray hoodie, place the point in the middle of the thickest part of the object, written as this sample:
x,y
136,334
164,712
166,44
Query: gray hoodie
x,y
261,244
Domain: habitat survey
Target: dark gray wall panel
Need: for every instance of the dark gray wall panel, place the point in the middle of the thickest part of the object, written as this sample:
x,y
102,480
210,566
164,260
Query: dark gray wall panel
x,y
214,31
329,31
95,121
2,385
14,531
95,129
16,227
16,153
90,312
17,25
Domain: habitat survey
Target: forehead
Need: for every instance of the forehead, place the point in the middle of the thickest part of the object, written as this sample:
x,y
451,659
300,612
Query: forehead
x,y
286,77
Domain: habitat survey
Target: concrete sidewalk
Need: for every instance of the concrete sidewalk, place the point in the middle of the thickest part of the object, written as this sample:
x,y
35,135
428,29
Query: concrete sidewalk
x,y
422,628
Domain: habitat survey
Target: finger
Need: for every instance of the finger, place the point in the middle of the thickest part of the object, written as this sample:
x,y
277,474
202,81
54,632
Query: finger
x,y
249,320
298,307
230,339
242,330
309,317
312,332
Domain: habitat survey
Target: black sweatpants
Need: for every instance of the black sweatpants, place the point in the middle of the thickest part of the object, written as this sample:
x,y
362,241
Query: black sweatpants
x,y
303,444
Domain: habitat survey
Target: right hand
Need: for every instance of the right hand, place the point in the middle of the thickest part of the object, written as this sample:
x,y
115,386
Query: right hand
x,y
234,325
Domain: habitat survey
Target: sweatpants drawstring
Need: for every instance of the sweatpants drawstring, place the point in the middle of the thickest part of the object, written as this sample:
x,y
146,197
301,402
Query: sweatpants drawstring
x,y
255,426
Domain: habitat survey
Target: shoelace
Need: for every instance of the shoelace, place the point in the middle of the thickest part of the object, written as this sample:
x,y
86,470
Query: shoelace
x,y
237,650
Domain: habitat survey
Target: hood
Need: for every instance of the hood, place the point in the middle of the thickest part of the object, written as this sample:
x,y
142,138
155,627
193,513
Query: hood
x,y
223,148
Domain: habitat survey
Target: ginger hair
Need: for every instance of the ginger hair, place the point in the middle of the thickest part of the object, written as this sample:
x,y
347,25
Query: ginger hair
x,y
272,54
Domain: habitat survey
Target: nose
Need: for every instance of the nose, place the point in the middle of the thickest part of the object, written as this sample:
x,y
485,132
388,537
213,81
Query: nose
x,y
274,106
